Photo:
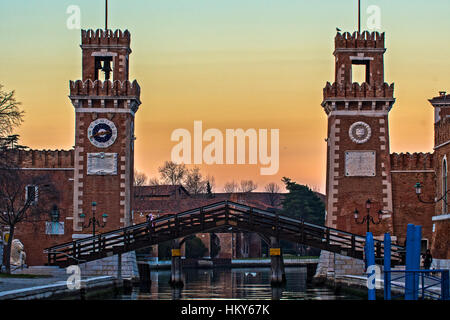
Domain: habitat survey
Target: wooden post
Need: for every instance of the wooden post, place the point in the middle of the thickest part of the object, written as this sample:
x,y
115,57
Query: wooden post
x,y
278,276
176,273
119,266
353,245
202,218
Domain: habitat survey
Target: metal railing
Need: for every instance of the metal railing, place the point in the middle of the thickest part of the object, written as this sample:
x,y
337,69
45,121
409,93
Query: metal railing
x,y
424,284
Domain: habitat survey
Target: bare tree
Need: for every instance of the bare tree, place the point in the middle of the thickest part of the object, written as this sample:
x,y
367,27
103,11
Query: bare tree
x,y
140,179
24,198
231,187
172,173
154,182
248,186
10,114
194,182
273,193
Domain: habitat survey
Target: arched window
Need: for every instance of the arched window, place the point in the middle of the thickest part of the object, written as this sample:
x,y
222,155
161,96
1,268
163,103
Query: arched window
x,y
445,186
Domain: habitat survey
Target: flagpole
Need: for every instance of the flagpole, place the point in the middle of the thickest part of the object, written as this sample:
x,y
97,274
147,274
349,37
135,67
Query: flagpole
x,y
359,16
106,15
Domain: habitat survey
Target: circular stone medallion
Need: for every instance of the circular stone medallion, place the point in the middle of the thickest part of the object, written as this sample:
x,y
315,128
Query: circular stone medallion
x,y
360,132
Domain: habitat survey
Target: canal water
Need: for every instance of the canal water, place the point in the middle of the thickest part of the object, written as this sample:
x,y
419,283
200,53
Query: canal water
x,y
242,283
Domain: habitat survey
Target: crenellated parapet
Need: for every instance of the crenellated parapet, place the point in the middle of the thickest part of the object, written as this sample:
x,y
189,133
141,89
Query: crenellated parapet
x,y
107,88
105,37
357,90
112,95
42,159
358,97
365,39
412,161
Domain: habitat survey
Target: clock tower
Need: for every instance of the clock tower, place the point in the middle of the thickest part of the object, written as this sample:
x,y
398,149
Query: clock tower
x,y
105,104
358,155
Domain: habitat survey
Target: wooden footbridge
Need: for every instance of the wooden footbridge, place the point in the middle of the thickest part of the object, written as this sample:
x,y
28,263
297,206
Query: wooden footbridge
x,y
222,216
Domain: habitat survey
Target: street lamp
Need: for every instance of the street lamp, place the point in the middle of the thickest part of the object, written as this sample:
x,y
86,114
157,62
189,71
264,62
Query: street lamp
x,y
93,221
418,188
368,218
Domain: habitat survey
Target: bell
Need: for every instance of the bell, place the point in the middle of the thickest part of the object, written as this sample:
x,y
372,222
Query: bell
x,y
107,68
98,64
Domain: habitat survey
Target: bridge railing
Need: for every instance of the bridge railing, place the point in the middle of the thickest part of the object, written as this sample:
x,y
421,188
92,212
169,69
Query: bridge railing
x,y
210,216
331,236
126,236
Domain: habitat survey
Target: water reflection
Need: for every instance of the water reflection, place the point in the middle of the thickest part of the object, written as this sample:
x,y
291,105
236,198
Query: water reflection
x,y
251,283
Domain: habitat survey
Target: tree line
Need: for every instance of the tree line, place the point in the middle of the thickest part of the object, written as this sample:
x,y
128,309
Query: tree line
x,y
196,183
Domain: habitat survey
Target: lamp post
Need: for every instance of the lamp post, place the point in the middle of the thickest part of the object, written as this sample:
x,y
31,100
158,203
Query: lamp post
x,y
368,218
94,221
418,188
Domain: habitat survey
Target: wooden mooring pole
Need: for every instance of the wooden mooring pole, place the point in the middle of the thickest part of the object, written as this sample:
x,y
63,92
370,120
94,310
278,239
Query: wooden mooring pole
x,y
176,279
278,276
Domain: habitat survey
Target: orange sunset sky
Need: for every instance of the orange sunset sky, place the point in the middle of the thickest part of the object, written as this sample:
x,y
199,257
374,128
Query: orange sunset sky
x,y
258,64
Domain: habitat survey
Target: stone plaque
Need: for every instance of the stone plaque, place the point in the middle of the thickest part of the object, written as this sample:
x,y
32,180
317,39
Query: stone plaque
x,y
102,164
360,163
54,228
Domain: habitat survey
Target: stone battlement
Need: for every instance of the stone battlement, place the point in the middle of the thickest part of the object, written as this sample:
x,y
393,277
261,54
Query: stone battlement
x,y
105,37
357,90
412,161
374,40
105,88
42,158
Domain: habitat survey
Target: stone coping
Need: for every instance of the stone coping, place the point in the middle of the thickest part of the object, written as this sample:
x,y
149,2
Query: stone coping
x,y
248,261
362,280
56,289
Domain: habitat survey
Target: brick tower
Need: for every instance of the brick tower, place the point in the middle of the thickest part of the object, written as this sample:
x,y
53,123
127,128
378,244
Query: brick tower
x,y
358,155
105,103
441,219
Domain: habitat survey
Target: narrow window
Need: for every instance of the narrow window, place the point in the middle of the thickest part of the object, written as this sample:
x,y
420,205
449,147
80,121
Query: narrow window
x,y
31,194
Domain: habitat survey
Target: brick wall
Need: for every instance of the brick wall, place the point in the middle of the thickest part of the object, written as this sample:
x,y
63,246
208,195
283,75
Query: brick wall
x,y
407,170
56,165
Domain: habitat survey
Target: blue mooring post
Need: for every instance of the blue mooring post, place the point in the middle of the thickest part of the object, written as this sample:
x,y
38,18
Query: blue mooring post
x,y
409,278
445,285
370,258
413,239
416,259
387,266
